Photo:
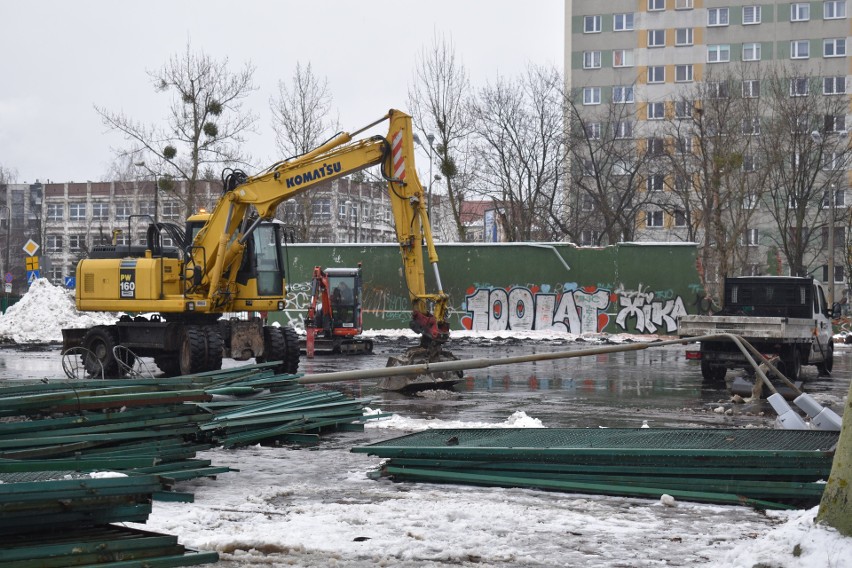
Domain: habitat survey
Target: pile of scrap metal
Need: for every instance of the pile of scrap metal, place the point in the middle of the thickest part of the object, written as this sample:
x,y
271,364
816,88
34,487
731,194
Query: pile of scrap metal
x,y
76,456
766,469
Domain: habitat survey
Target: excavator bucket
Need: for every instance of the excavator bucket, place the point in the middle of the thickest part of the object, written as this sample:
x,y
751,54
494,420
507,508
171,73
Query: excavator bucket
x,y
427,380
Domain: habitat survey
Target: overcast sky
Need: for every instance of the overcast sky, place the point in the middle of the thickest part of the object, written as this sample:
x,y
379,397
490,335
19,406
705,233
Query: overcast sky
x,y
62,57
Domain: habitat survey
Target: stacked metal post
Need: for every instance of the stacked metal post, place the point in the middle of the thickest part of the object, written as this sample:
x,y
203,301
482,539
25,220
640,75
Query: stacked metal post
x,y
762,468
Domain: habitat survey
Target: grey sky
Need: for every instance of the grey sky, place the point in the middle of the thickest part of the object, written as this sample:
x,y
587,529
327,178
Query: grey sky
x,y
62,57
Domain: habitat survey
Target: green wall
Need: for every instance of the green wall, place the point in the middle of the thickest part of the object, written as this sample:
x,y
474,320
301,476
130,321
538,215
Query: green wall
x,y
626,288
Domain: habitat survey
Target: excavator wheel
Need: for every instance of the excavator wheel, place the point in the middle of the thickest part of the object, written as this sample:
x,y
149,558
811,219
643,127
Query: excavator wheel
x,y
193,350
99,341
274,346
291,350
168,364
215,344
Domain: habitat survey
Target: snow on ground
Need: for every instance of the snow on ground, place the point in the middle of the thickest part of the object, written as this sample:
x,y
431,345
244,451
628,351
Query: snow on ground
x,y
317,507
518,419
40,315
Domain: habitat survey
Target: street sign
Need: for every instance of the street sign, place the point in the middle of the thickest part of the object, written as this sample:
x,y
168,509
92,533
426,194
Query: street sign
x,y
31,247
8,288
8,278
32,263
32,276
71,282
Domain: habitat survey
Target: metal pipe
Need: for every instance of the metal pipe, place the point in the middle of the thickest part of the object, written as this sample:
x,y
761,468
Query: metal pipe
x,y
482,363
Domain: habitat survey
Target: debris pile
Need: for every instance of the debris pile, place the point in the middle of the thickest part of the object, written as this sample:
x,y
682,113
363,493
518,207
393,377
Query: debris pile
x,y
767,469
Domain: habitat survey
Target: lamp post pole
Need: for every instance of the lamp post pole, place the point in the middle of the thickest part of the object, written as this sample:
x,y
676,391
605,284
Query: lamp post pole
x,y
8,236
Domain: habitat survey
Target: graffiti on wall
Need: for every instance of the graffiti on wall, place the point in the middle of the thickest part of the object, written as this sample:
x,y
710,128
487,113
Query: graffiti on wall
x,y
571,308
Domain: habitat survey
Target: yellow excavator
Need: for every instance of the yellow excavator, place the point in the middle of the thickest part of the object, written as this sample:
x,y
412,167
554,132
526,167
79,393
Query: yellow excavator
x,y
231,260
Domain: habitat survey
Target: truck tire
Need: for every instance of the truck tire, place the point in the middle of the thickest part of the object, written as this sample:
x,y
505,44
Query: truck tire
x,y
192,355
274,347
99,341
791,365
292,350
713,374
827,365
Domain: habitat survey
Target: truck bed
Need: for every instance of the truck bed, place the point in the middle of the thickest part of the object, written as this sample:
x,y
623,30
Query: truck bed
x,y
781,330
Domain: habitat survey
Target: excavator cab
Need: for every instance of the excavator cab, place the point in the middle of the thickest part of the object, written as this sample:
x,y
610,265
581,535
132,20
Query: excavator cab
x,y
333,323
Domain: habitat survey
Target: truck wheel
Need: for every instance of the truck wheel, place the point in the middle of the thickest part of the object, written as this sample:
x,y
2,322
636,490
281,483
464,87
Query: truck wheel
x,y
168,364
713,374
292,350
826,366
791,365
100,342
193,350
274,348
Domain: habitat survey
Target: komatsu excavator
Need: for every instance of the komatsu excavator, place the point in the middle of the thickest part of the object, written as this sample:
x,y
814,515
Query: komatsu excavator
x,y
231,260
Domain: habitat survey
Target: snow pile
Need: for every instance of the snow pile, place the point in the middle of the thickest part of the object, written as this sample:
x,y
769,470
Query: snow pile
x,y
519,419
40,315
797,543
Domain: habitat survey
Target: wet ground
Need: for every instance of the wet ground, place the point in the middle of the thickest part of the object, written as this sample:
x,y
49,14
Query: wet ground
x,y
656,385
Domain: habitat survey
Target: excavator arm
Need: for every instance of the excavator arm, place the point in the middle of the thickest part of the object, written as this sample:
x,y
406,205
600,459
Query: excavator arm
x,y
218,249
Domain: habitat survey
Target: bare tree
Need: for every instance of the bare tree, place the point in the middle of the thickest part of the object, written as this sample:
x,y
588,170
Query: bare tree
x,y
807,156
717,179
519,133
606,171
205,126
438,105
302,121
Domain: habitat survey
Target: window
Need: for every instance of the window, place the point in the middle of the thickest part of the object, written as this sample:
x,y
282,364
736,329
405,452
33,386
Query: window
x,y
800,12
834,10
749,162
100,211
591,60
655,182
172,210
589,237
55,211
750,201
77,242
683,36
55,275
679,218
751,126
751,89
751,15
656,111
751,52
593,131
656,38
683,145
656,5
654,218
683,73
717,16
123,210
800,49
623,129
834,122
622,58
591,24
54,243
682,183
832,160
591,95
146,208
657,74
622,94
684,108
77,211
839,197
656,147
622,22
122,238
717,89
751,237
683,4
718,53
835,47
801,125
834,85
587,203
588,167
798,86
838,273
